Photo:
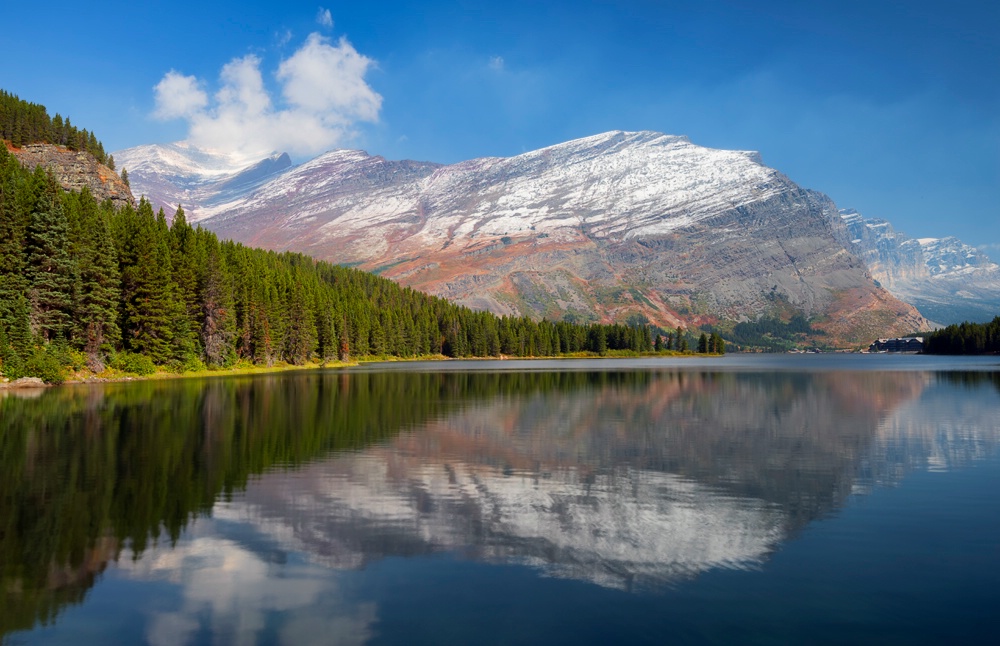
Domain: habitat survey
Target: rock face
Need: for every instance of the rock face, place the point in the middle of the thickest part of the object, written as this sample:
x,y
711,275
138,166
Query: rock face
x,y
946,279
620,226
75,170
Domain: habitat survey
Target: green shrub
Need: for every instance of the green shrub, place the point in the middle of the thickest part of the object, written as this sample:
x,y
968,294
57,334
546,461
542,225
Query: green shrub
x,y
45,364
11,364
190,363
67,356
133,363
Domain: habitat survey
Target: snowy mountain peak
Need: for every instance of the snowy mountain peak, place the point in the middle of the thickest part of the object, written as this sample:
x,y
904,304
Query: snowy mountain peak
x,y
948,280
952,255
178,173
182,159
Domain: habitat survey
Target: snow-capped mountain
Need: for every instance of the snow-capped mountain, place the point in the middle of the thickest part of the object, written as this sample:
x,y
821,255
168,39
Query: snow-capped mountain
x,y
946,279
951,256
178,174
610,227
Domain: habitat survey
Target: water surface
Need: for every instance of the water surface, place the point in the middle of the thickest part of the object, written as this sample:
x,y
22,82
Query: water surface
x,y
751,499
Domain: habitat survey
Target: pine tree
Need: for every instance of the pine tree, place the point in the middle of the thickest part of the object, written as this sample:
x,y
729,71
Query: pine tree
x,y
187,260
219,328
15,327
50,270
96,310
147,287
682,341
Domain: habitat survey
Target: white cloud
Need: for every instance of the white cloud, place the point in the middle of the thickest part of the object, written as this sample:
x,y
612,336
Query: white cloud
x,y
323,78
323,95
496,63
178,96
324,18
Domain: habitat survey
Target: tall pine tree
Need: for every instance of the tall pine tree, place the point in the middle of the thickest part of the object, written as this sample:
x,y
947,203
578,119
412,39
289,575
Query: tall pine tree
x,y
50,269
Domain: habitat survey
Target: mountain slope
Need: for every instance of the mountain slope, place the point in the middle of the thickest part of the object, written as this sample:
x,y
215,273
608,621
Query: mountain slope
x,y
179,174
946,279
618,226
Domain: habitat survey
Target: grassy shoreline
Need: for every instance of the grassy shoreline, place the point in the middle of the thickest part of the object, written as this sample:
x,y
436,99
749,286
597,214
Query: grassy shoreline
x,y
111,375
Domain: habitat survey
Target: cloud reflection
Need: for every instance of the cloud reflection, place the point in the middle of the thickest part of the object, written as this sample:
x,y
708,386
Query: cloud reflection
x,y
239,598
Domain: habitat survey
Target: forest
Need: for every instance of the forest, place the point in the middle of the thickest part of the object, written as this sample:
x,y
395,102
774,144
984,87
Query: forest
x,y
965,338
24,123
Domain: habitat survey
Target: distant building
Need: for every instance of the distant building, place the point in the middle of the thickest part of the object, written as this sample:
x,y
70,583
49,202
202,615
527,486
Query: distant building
x,y
907,344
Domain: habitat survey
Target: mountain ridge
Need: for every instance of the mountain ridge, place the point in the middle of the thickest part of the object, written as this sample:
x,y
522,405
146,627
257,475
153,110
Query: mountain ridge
x,y
947,280
613,227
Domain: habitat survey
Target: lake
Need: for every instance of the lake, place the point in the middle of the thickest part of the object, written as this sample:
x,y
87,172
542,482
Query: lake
x,y
750,499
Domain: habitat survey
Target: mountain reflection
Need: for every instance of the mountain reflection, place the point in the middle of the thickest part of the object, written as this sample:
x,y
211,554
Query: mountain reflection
x,y
623,478
642,478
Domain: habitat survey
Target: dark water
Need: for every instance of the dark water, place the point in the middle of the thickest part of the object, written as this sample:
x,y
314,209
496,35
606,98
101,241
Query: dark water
x,y
766,500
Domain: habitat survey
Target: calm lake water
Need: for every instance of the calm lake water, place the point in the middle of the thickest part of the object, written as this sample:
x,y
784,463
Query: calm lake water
x,y
745,500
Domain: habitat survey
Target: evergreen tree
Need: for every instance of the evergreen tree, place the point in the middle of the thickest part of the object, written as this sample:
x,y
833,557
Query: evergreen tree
x,y
189,272
50,270
147,287
99,291
219,328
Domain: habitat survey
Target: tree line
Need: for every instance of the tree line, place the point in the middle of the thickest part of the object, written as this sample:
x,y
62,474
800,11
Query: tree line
x,y
24,123
85,283
965,338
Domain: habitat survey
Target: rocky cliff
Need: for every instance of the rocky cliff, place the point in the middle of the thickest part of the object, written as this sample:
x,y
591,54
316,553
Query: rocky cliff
x,y
947,280
76,170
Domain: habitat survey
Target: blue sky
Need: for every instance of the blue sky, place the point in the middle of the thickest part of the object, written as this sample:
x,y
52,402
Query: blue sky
x,y
892,108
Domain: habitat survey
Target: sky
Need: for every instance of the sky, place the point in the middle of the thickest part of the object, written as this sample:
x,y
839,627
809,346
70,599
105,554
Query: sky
x,y
888,107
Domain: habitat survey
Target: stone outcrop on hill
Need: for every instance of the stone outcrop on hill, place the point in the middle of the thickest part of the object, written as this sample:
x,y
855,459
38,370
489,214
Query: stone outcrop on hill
x,y
620,226
75,169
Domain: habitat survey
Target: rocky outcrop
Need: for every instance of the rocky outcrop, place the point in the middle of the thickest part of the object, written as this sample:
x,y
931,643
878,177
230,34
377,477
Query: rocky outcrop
x,y
76,170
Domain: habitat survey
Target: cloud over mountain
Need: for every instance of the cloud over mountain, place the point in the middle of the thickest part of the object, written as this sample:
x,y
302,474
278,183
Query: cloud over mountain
x,y
323,94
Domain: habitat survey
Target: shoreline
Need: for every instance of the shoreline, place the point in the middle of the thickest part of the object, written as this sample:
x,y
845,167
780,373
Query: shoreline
x,y
32,383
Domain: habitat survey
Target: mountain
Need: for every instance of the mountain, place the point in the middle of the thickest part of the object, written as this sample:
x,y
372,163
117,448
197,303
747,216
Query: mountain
x,y
619,226
946,279
179,174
